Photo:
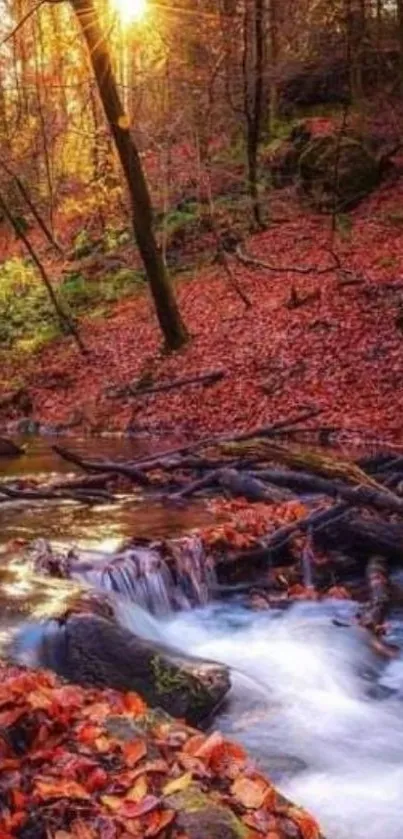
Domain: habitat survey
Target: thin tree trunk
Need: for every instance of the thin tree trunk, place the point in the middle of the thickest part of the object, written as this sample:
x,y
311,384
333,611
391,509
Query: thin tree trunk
x,y
274,53
65,321
400,29
253,96
168,314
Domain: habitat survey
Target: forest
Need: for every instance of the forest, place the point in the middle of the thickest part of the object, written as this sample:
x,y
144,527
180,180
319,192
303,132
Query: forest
x,y
201,432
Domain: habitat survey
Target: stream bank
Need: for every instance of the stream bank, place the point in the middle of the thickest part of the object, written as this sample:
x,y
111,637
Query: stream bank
x,y
310,698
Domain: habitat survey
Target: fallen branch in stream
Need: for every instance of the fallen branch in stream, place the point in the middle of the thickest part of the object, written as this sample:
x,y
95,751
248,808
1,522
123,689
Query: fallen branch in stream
x,y
146,463
85,496
103,466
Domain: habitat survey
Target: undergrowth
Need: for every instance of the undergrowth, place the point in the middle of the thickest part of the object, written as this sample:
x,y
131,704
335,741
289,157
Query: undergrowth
x,y
27,317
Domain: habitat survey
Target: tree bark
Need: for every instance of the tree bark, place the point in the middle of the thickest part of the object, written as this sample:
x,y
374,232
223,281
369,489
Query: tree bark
x,y
168,314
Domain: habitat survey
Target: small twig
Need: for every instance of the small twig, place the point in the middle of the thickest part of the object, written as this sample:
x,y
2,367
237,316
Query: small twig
x,y
21,22
247,259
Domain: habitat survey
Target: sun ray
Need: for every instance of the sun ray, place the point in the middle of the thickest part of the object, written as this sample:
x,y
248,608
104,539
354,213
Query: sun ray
x,y
131,11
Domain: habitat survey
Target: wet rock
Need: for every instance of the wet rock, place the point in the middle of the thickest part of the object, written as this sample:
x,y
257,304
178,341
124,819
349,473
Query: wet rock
x,y
94,651
199,817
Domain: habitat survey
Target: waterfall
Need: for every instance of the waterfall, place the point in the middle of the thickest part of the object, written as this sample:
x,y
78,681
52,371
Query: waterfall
x,y
160,578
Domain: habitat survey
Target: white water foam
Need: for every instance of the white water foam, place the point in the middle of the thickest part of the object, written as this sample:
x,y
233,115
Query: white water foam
x,y
309,706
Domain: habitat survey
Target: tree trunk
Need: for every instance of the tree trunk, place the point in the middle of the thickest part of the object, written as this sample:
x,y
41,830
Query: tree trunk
x,y
168,314
400,29
253,96
274,51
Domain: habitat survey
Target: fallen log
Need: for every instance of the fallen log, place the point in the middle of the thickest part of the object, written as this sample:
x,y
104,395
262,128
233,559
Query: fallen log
x,y
137,390
311,461
146,463
365,496
9,449
363,538
236,484
129,471
274,544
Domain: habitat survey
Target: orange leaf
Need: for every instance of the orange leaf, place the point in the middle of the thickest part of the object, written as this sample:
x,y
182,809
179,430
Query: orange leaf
x,y
54,788
158,821
250,793
306,823
96,780
227,759
206,749
88,733
134,704
134,751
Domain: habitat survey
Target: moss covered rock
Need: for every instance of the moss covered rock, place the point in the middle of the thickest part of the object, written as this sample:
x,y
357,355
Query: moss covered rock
x,y
200,817
337,171
92,650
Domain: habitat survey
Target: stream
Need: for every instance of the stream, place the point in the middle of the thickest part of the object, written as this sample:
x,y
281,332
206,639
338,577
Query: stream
x,y
320,712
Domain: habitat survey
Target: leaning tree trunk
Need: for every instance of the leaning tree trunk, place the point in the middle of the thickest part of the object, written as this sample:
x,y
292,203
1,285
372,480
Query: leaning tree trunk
x,y
168,314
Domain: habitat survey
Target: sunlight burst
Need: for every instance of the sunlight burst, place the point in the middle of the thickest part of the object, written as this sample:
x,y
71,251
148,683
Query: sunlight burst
x,y
131,10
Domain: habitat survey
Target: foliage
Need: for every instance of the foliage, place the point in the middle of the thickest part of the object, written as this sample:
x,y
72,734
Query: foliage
x,y
27,317
98,763
26,314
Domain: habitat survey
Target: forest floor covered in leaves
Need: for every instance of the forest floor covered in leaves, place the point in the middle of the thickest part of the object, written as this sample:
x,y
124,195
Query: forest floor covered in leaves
x,y
320,330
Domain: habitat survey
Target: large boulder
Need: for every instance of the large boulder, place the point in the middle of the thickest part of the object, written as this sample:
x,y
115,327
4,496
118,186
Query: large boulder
x,y
332,169
337,171
92,650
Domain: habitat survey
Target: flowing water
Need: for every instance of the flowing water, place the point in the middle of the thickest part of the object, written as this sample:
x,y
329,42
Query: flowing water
x,y
320,712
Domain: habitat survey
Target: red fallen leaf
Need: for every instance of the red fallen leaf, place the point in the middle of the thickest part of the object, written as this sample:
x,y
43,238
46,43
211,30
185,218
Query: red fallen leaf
x,y
41,699
194,744
19,799
134,751
88,733
8,718
307,825
227,759
153,766
260,820
53,788
70,697
134,704
158,821
96,780
97,712
206,749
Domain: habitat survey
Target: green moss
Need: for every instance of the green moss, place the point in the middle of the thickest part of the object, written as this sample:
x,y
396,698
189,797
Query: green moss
x,y
200,816
170,680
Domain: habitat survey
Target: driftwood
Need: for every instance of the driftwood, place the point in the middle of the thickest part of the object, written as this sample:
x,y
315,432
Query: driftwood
x,y
138,390
129,471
